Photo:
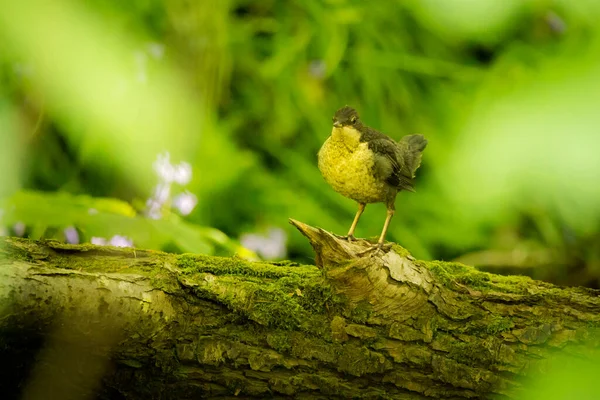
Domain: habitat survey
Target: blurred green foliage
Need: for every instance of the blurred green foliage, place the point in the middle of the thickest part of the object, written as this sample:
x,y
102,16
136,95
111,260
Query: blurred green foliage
x,y
565,377
244,91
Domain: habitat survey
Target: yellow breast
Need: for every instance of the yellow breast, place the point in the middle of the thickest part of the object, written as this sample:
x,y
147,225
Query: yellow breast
x,y
347,165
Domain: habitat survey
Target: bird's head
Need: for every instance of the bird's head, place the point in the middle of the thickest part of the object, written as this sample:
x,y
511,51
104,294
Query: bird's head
x,y
345,116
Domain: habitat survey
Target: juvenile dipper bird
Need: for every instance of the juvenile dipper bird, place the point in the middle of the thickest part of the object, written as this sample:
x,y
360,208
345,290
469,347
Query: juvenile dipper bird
x,y
368,166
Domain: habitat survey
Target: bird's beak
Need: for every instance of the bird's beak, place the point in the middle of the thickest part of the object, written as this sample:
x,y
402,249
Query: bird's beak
x,y
337,124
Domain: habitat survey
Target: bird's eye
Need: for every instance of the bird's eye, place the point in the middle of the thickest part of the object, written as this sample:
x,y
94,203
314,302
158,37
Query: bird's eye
x,y
353,119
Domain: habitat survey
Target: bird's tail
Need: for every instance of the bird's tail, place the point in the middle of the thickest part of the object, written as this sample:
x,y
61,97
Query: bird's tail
x,y
416,144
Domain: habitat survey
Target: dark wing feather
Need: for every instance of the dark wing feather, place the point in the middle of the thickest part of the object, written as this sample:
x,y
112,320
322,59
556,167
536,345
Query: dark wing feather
x,y
413,146
389,164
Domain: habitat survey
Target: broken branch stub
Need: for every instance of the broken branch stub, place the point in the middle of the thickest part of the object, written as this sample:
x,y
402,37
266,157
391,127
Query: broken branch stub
x,y
391,281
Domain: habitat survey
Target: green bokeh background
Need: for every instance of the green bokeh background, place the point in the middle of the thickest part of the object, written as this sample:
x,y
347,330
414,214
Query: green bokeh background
x,y
506,93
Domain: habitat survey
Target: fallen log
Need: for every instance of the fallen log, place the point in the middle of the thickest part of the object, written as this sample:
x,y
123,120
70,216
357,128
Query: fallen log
x,y
83,321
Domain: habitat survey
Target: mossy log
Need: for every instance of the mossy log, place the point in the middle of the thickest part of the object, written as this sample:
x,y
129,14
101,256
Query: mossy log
x,y
86,321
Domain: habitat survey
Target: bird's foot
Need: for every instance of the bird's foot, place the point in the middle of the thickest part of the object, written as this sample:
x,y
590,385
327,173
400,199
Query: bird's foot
x,y
377,250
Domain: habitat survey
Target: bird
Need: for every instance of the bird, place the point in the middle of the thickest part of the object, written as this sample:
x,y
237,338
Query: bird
x,y
368,166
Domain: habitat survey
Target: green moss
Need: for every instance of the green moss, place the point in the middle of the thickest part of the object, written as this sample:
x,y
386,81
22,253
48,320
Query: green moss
x,y
361,312
490,325
283,297
195,263
269,304
318,297
284,263
17,249
290,284
275,308
450,273
474,354
401,251
358,360
279,341
163,279
314,347
499,324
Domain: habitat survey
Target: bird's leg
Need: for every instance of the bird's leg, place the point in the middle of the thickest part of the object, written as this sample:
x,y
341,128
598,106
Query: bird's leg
x,y
386,224
361,208
379,246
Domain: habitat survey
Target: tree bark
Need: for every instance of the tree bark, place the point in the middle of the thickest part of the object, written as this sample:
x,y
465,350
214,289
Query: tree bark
x,y
81,321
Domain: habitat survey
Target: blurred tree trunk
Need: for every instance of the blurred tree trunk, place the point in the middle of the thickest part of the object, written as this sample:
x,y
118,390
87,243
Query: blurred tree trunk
x,y
86,321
